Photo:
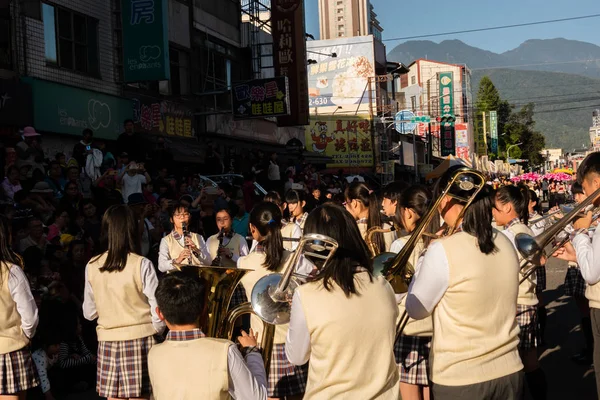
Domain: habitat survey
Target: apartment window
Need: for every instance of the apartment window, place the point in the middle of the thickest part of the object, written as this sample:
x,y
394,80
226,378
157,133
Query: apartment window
x,y
413,103
340,10
340,18
413,80
341,34
71,39
180,72
339,3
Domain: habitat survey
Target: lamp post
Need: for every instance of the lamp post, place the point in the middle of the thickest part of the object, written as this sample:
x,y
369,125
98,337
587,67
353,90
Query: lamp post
x,y
508,150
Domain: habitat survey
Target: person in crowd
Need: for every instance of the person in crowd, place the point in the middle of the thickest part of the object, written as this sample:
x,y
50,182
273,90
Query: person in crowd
x,y
148,192
226,244
92,222
55,179
11,183
481,361
364,206
72,197
511,211
274,172
30,148
83,148
296,203
289,230
119,293
58,227
131,143
45,358
132,180
391,194
40,200
105,192
188,355
240,220
18,321
325,309
36,236
181,246
268,256
248,190
150,236
412,347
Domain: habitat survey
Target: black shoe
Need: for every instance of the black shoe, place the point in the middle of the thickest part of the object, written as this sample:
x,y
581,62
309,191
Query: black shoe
x,y
583,358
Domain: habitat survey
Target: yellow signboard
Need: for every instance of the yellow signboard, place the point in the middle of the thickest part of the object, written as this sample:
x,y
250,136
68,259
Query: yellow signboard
x,y
347,140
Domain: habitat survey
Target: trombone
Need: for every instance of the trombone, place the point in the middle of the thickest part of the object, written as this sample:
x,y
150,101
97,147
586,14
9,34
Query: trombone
x,y
395,267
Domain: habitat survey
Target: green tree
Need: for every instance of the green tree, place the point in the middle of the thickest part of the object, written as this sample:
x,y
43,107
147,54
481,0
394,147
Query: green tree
x,y
520,128
488,98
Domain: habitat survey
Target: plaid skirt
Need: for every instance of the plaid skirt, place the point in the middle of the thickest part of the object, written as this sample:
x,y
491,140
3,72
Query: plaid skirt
x,y
574,283
529,334
540,275
285,378
412,357
239,297
123,368
17,372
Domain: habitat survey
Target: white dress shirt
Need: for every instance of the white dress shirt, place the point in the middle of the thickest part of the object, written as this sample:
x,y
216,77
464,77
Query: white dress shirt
x,y
165,261
430,282
18,285
247,379
149,284
297,343
588,256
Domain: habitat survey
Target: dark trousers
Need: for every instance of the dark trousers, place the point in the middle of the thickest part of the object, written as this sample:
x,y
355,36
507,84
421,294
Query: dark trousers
x,y
595,314
509,387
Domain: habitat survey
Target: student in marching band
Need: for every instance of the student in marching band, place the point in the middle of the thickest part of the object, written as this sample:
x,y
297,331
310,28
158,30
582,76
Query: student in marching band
x,y
268,256
119,292
226,244
296,202
468,282
181,246
412,347
189,365
391,194
334,325
18,321
511,211
289,229
535,210
362,203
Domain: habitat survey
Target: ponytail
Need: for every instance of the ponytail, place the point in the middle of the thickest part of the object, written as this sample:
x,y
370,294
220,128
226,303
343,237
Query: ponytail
x,y
266,218
361,192
518,196
477,220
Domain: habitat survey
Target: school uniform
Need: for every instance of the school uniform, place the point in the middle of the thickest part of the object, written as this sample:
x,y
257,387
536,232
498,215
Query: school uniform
x,y
173,244
388,237
540,273
348,346
18,322
301,220
284,379
238,246
472,299
125,306
575,285
290,230
527,301
412,347
190,366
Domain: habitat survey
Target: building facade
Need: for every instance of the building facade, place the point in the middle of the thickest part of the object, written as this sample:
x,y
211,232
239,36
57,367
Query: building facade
x,y
595,130
348,18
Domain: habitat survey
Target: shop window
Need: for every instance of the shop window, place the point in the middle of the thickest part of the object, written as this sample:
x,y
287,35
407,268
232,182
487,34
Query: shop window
x,y
71,39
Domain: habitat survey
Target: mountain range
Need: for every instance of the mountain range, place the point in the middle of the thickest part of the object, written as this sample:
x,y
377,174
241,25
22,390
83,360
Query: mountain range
x,y
562,78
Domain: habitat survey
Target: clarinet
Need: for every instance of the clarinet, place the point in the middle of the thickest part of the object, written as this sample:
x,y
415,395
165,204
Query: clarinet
x,y
217,261
186,234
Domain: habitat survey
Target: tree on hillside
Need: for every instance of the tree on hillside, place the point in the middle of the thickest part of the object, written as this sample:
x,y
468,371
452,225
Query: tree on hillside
x,y
488,99
521,129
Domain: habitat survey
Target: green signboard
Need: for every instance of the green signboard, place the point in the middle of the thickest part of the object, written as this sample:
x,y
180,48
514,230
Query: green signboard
x,y
494,131
421,119
145,40
446,94
64,109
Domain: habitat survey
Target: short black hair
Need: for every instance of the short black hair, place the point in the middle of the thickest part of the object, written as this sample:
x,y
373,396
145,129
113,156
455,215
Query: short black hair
x,y
576,188
179,297
590,165
127,121
394,190
87,131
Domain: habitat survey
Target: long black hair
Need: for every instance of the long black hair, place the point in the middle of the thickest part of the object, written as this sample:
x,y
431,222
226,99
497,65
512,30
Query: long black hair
x,y
477,218
361,192
538,204
7,256
266,218
418,199
334,221
119,237
518,196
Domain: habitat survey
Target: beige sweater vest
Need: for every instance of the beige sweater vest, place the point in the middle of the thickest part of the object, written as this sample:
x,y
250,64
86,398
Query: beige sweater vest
x,y
351,340
190,369
233,245
12,337
527,296
475,332
123,309
175,248
255,262
287,232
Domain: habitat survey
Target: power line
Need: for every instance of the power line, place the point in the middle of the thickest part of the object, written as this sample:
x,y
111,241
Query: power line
x,y
537,65
551,21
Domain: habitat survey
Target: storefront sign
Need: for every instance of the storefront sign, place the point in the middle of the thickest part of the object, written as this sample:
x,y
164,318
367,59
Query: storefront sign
x,y
446,94
462,140
494,131
261,98
64,109
15,104
163,118
448,144
346,140
289,49
145,40
342,84
481,133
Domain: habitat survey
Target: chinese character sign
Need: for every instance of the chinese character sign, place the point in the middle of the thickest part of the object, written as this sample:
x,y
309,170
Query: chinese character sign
x,y
163,118
289,52
346,140
145,40
446,94
494,131
261,98
447,140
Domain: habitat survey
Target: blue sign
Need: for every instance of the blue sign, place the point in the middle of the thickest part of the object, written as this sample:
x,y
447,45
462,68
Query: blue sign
x,y
403,124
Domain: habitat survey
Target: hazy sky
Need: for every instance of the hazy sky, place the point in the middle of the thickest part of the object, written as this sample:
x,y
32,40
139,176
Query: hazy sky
x,y
400,19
